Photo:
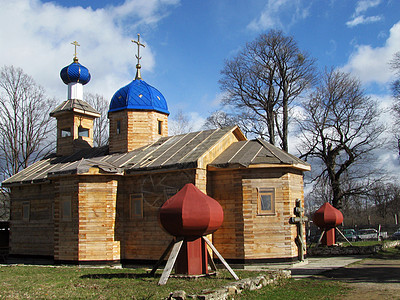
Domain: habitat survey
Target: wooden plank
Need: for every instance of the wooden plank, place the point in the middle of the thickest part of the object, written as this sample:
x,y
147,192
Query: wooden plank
x,y
221,258
153,271
171,261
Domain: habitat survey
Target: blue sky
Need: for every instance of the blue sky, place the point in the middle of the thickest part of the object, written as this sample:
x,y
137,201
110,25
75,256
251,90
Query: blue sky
x,y
188,41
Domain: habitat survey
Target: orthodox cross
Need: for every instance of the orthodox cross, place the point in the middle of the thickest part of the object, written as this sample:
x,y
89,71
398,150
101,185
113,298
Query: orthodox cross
x,y
299,221
139,44
75,43
138,66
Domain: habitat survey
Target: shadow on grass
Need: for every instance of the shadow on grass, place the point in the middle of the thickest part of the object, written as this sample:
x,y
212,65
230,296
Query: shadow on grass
x,y
120,275
368,273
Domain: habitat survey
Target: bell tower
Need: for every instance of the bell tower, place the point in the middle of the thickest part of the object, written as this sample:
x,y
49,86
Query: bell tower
x,y
74,116
138,113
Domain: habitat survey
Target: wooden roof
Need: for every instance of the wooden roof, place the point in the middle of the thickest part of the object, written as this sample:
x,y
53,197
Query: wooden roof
x,y
174,152
75,105
256,153
168,153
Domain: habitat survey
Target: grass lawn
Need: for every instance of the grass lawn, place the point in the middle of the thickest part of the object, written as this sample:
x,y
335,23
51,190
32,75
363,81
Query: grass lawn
x,y
299,289
27,282
74,282
358,243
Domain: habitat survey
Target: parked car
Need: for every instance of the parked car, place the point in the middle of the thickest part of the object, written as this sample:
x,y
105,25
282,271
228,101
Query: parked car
x,y
370,234
350,234
396,235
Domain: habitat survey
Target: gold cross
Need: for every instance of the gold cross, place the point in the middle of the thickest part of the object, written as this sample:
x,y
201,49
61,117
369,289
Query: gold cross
x,y
138,48
75,43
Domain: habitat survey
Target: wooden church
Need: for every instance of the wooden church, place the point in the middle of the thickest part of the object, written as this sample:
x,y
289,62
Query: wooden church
x,y
100,205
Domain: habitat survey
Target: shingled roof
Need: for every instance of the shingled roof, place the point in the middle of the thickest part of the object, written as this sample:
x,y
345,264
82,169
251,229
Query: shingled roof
x,y
173,152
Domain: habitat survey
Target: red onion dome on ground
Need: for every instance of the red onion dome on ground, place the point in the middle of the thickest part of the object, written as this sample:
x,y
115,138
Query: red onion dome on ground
x,y
191,213
327,216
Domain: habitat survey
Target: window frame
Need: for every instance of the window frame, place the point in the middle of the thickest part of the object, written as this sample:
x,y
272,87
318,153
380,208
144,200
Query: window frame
x,y
159,127
65,132
82,130
265,192
118,127
26,217
65,216
136,197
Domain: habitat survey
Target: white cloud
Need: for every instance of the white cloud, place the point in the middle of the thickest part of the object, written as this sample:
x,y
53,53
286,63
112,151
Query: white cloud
x,y
36,36
364,5
363,20
217,102
196,121
371,64
276,10
361,7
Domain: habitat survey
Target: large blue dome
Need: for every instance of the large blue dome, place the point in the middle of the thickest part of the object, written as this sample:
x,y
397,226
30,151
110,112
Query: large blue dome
x,y
138,95
75,72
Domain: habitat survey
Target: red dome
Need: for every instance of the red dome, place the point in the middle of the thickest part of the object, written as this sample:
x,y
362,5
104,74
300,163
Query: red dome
x,y
327,216
191,213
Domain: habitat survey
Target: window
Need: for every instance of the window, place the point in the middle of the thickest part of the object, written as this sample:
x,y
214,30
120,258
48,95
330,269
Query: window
x,y
159,127
65,132
26,210
266,201
118,127
66,212
136,206
83,131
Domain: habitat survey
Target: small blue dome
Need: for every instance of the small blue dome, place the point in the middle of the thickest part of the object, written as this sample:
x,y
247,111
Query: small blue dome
x,y
138,95
75,72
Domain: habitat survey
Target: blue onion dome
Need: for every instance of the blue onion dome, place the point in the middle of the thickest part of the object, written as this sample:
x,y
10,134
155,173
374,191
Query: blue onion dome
x,y
75,72
138,95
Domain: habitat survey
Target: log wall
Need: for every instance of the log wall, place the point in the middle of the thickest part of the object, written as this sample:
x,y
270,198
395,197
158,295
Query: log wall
x,y
66,229
97,215
142,237
256,236
88,234
138,128
32,236
70,144
226,188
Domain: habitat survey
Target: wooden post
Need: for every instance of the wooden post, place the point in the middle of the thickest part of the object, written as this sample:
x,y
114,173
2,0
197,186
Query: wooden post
x,y
153,271
320,237
171,261
221,258
344,236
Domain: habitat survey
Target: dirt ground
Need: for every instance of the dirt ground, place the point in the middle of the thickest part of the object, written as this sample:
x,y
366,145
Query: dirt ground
x,y
372,278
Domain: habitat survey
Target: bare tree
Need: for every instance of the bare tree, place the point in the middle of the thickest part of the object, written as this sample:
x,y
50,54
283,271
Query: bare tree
x,y
4,205
100,129
179,124
339,131
263,80
25,125
219,119
395,66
